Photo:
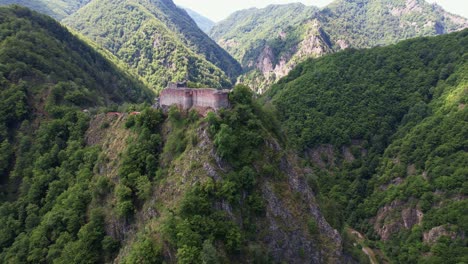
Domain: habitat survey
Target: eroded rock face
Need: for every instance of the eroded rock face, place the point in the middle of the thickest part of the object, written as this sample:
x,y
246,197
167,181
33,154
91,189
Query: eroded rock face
x,y
394,217
410,7
430,237
265,61
315,43
411,217
283,232
275,66
288,239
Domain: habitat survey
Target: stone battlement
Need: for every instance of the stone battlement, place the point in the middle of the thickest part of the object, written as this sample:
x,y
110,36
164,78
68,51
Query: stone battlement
x,y
200,99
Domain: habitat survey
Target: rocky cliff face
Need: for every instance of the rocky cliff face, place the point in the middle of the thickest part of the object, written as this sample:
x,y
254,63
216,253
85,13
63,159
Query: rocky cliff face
x,y
270,42
283,232
395,217
273,66
280,215
290,227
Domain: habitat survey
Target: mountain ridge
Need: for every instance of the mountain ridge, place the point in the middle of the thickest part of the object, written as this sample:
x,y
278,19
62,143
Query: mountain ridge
x,y
84,179
249,34
384,133
57,9
168,44
203,22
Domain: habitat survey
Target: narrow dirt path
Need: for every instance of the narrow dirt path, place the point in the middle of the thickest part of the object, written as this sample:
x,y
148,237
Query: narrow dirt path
x,y
367,250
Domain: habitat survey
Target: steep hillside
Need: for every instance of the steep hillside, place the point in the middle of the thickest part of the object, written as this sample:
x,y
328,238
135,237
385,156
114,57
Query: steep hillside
x,y
218,198
158,39
81,186
203,23
57,9
51,83
47,72
269,42
150,187
45,65
385,131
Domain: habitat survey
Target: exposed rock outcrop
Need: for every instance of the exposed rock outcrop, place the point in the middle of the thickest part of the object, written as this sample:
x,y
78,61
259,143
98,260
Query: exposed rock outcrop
x,y
430,237
394,217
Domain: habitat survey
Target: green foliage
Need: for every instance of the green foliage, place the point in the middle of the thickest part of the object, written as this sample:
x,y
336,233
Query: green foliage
x,y
41,61
335,92
209,254
253,29
312,225
53,196
403,107
139,162
145,251
238,137
48,188
5,156
57,9
158,40
276,38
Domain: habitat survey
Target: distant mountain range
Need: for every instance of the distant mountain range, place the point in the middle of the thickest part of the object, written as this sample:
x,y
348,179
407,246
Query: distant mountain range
x,y
269,42
57,9
203,22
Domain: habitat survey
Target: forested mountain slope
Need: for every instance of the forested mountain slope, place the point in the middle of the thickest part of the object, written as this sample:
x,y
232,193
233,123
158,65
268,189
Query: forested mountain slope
x,y
81,183
58,9
224,190
51,82
269,42
203,23
158,39
385,131
43,65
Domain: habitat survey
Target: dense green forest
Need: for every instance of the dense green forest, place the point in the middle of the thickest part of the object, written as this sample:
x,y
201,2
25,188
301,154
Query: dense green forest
x,y
271,41
51,82
57,9
44,66
390,129
81,183
245,33
157,39
354,152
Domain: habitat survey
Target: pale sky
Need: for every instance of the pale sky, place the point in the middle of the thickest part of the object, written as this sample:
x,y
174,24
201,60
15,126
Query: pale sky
x,y
217,10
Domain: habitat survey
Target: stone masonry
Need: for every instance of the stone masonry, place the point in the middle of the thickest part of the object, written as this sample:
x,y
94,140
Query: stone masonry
x,y
200,99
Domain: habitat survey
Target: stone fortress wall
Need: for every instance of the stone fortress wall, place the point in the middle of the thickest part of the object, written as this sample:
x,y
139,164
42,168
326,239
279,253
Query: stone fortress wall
x,y
201,99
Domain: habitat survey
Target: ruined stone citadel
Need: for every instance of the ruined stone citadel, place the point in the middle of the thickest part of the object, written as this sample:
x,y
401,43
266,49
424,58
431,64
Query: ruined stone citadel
x,y
200,99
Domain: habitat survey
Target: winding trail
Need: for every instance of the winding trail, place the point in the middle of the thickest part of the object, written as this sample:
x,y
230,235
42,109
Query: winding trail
x,y
367,250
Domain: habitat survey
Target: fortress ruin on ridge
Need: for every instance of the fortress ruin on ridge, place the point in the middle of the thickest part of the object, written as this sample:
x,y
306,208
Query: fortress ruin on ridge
x,y
200,99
